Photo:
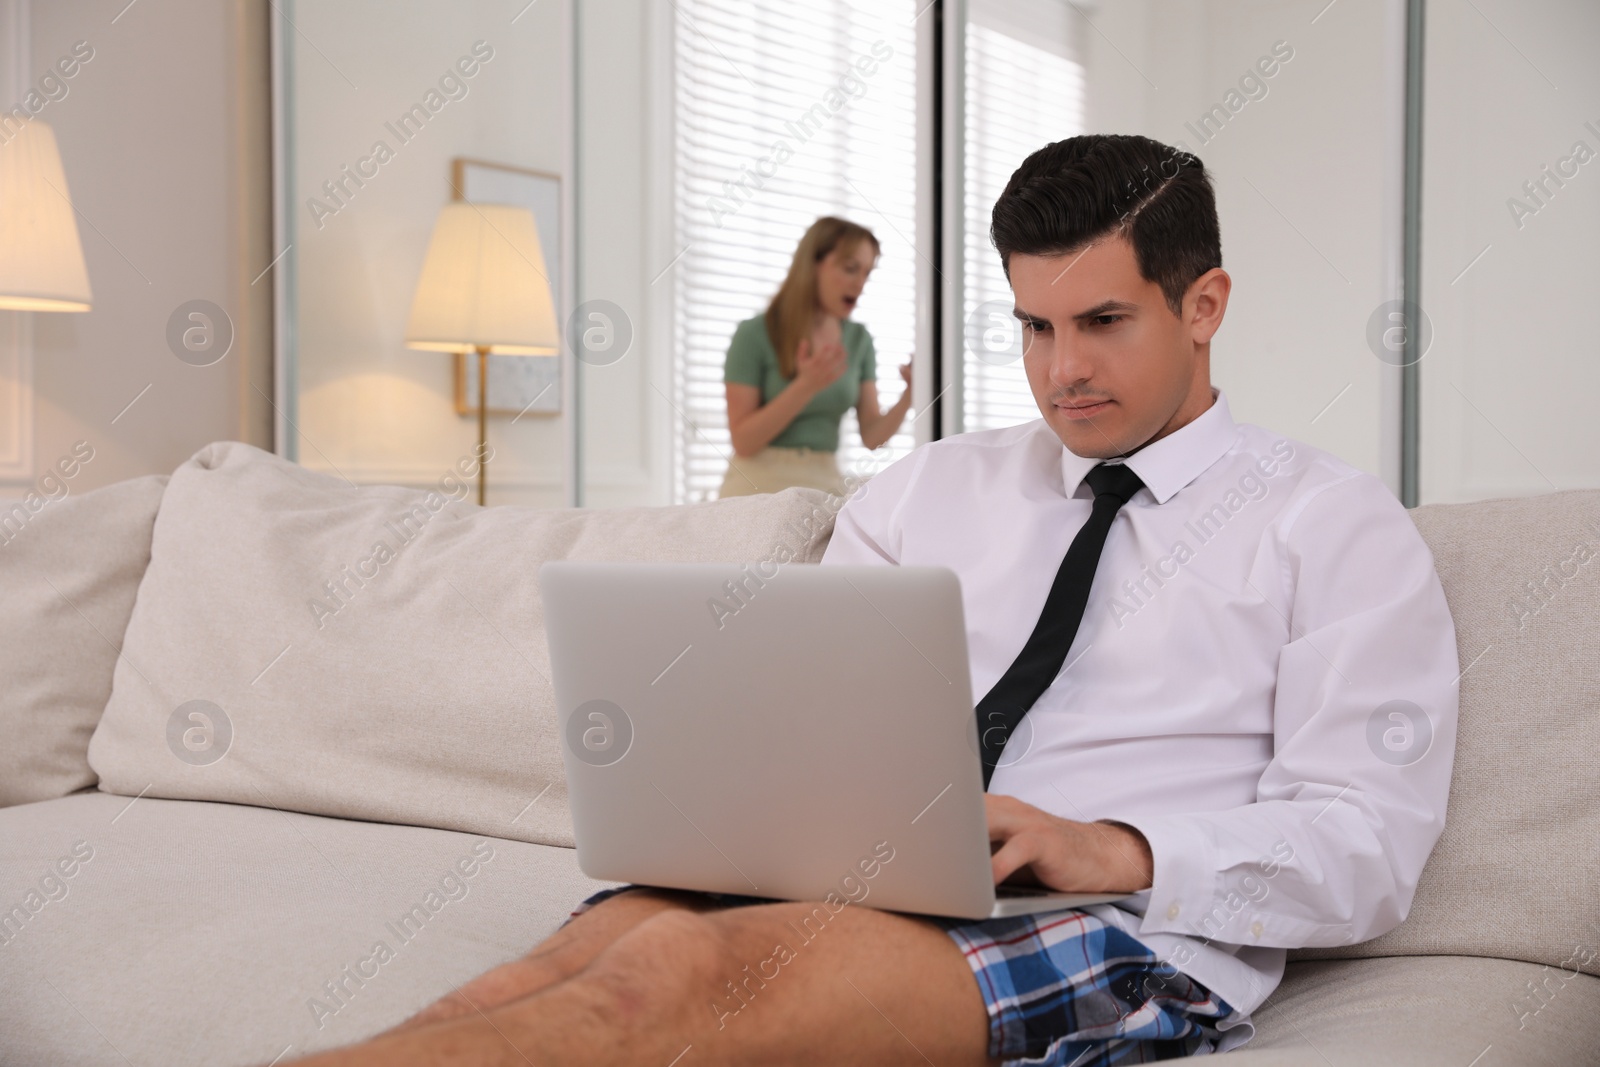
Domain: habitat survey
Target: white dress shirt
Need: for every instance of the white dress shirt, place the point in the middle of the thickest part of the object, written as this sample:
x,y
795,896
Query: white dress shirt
x,y
1258,609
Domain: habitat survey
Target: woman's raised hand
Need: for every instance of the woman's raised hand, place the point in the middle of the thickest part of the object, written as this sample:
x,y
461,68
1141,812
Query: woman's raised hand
x,y
819,366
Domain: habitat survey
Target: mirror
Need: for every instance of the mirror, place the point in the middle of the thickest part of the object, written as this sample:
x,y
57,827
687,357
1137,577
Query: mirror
x,y
385,113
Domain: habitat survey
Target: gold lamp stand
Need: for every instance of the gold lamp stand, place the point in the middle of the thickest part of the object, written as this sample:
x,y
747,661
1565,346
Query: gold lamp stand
x,y
483,424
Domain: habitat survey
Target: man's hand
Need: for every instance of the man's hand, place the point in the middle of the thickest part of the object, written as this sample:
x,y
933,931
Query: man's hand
x,y
1067,856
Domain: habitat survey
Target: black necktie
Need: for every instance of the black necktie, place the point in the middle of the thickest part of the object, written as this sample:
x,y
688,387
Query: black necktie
x,y
1037,665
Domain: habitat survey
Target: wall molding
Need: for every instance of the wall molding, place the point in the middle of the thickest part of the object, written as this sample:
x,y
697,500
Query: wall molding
x,y
16,327
16,398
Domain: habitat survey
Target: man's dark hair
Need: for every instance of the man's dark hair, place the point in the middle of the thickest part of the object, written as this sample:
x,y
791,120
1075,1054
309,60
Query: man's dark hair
x,y
1073,192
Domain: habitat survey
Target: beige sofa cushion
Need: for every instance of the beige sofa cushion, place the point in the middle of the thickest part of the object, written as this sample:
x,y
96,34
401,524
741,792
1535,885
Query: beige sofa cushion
x,y
235,919
1426,1011
211,933
68,574
1516,873
375,653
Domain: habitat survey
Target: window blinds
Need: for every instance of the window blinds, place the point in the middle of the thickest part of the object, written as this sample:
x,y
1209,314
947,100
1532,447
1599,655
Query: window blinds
x,y
1024,89
785,112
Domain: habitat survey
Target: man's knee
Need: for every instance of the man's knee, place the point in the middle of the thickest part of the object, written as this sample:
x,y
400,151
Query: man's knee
x,y
672,957
692,945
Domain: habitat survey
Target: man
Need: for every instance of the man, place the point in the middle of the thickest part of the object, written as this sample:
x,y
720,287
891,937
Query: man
x,y
1217,671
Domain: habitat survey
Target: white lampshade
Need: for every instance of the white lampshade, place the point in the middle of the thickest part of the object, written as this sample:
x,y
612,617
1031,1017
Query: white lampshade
x,y
484,282
41,258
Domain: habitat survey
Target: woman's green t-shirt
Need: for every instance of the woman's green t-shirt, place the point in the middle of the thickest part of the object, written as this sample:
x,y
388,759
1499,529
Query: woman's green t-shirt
x,y
753,361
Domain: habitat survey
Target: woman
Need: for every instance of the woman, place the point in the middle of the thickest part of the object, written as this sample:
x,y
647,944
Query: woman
x,y
792,372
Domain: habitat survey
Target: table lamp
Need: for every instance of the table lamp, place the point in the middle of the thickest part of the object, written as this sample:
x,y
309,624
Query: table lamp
x,y
41,258
484,289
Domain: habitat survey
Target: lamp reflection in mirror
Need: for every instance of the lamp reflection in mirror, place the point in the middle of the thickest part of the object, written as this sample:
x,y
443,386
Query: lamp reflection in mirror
x,y
484,288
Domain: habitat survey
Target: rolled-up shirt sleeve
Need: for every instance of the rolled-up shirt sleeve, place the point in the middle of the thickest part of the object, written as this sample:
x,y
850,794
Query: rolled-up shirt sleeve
x,y
1353,799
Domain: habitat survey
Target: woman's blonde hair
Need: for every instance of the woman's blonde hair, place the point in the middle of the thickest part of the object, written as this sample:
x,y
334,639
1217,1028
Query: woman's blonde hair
x,y
789,316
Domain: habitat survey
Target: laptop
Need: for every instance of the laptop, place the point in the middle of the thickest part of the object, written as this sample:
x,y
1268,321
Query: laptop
x,y
793,732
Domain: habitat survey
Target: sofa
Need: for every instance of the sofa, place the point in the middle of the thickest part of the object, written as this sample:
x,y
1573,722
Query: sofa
x,y
279,766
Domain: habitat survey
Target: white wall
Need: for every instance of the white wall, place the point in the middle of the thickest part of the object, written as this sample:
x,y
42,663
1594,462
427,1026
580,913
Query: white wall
x,y
1509,387
370,408
164,140
1301,186
624,219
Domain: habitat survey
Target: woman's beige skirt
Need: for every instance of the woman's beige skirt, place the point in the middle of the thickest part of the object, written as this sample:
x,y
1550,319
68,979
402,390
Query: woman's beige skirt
x,y
775,468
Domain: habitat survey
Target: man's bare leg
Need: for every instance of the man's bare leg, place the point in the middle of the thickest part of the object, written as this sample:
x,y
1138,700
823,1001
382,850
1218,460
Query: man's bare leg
x,y
559,957
856,987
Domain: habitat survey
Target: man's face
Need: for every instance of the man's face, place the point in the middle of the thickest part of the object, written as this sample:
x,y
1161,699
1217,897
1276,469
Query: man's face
x,y
1110,366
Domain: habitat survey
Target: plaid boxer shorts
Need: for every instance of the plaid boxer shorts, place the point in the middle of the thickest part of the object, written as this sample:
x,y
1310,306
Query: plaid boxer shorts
x,y
1063,989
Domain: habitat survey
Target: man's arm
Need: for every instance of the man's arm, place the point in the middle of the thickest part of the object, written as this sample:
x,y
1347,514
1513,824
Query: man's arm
x,y
1353,800
867,528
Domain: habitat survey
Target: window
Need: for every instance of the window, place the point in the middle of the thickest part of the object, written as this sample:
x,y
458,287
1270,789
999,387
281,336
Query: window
x,y
1024,89
776,125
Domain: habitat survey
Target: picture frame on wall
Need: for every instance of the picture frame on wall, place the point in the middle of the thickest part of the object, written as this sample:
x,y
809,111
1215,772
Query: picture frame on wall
x,y
518,385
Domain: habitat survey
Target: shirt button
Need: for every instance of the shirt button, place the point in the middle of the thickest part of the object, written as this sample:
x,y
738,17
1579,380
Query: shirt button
x,y
1172,911
1256,929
